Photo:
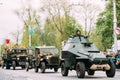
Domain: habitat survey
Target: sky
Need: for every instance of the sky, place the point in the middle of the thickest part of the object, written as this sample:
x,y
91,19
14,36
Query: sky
x,y
10,22
8,19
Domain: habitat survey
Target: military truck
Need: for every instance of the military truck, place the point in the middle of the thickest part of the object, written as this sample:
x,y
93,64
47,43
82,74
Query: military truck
x,y
46,57
83,56
16,57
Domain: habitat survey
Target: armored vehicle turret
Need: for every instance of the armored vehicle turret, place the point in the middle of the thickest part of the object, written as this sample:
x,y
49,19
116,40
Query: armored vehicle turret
x,y
81,55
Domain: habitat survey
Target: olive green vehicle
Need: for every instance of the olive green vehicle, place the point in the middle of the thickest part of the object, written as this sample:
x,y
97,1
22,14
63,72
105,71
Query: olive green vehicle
x,y
46,57
83,56
17,57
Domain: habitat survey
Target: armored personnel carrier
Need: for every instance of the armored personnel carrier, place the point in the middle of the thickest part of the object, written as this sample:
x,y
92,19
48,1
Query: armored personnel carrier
x,y
81,55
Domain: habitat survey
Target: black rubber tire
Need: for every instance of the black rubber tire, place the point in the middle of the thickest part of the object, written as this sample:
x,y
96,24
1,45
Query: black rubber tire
x,y
7,66
55,69
111,72
64,70
13,64
43,67
80,69
90,72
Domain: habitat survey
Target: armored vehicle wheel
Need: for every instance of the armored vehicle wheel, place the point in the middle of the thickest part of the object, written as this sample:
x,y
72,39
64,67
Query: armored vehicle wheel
x,y
43,67
36,69
111,72
13,64
91,72
64,70
55,69
80,69
27,66
7,66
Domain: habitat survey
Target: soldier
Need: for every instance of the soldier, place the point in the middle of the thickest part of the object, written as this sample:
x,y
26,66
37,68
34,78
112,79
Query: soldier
x,y
7,49
39,54
78,34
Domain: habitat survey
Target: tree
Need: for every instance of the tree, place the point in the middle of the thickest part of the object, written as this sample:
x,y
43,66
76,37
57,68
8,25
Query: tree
x,y
30,19
53,37
58,23
50,33
71,26
59,17
55,12
88,13
16,36
104,25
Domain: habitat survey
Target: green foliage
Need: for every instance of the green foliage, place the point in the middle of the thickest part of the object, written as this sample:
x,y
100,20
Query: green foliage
x,y
32,21
36,36
58,25
104,25
70,27
51,35
25,40
97,40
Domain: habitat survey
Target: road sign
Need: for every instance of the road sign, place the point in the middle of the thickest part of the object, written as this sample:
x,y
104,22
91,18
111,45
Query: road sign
x,y
31,31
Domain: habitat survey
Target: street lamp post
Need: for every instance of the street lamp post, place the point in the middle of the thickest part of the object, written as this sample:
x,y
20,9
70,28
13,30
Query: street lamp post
x,y
114,25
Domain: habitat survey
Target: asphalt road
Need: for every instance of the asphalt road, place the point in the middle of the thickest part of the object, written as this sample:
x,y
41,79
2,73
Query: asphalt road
x,y
50,75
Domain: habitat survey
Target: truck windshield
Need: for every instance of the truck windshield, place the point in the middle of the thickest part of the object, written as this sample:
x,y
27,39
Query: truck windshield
x,y
49,50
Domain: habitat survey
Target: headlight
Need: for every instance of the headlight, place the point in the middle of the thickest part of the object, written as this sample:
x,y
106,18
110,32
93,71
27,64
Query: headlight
x,y
18,58
26,58
41,59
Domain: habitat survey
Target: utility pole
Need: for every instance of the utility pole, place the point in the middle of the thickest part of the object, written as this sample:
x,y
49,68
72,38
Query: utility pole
x,y
114,25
